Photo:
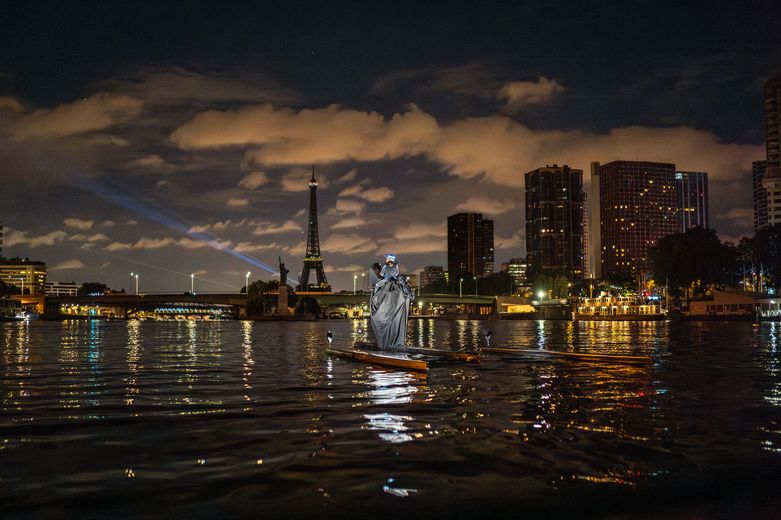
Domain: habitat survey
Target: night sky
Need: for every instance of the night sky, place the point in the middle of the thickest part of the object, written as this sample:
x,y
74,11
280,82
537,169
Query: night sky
x,y
160,137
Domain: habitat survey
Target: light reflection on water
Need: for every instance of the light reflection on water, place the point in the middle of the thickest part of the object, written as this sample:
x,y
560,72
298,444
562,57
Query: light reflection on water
x,y
203,414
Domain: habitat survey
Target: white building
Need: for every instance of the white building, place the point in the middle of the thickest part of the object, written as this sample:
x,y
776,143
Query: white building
x,y
62,288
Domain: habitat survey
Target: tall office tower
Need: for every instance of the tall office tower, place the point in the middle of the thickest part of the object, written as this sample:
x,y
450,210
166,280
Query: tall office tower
x,y
594,232
312,259
773,124
554,221
431,274
587,262
760,194
638,208
771,180
470,245
691,190
487,252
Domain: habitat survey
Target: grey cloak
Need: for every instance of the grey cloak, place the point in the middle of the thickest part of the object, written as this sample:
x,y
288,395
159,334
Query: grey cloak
x,y
390,301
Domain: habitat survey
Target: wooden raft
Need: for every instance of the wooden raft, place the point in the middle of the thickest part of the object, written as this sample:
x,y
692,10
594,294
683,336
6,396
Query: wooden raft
x,y
386,360
468,357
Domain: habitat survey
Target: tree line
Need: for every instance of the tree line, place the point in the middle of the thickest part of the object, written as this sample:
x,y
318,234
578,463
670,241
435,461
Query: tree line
x,y
693,263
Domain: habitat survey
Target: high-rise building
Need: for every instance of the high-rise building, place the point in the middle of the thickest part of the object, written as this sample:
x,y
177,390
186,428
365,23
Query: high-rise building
x,y
1,240
312,258
27,275
516,268
431,274
554,220
594,233
487,252
691,190
470,245
771,180
638,207
773,124
760,194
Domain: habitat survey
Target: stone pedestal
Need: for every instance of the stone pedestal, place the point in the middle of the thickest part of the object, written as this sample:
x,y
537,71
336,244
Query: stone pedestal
x,y
282,309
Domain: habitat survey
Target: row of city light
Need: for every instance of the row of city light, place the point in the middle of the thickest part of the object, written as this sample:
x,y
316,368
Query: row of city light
x,y
134,276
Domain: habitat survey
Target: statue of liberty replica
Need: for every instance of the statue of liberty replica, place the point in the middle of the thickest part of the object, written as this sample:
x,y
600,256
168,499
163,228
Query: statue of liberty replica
x,y
390,301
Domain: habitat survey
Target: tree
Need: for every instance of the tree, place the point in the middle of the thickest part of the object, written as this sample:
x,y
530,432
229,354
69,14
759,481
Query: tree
x,y
692,263
93,288
307,305
7,289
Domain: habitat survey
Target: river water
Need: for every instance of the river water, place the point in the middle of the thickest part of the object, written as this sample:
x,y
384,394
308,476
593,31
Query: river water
x,y
235,419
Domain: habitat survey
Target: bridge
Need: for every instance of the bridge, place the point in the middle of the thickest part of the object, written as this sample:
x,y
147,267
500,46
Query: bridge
x,y
216,306
234,305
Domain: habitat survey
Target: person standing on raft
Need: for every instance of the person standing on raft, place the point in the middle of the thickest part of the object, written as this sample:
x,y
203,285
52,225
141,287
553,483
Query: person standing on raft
x,y
390,301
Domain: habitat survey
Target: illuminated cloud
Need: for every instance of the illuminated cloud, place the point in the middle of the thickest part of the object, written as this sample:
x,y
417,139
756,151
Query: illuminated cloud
x,y
349,222
350,175
268,228
10,104
352,268
297,180
489,206
362,191
512,242
348,244
150,162
253,180
78,223
349,206
237,202
147,243
420,230
96,112
174,86
249,247
95,237
14,237
518,94
496,147
68,264
309,136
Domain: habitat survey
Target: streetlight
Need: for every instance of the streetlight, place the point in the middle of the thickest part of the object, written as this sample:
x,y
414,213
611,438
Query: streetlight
x,y
192,283
460,286
475,286
136,275
131,279
246,284
363,281
541,295
355,279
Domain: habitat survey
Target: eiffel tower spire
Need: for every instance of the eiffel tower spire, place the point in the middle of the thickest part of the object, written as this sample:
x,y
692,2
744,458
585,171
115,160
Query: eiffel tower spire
x,y
313,260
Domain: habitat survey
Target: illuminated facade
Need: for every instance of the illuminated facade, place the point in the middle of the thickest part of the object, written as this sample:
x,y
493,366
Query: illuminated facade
x,y
638,207
594,242
516,268
431,274
771,180
470,245
62,288
759,195
28,276
691,190
554,220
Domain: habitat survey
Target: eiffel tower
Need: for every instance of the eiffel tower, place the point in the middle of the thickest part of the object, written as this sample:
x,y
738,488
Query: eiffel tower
x,y
313,260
